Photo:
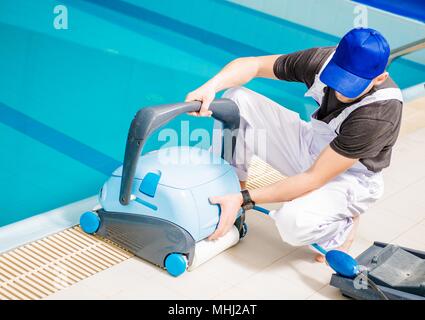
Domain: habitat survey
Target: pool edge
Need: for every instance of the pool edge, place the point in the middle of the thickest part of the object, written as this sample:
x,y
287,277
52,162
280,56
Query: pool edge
x,y
44,224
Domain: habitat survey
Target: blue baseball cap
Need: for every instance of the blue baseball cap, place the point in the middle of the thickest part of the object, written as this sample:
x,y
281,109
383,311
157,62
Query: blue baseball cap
x,y
361,55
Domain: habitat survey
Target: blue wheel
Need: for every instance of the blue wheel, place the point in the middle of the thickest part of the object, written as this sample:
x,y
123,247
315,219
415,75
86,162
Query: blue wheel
x,y
89,222
175,264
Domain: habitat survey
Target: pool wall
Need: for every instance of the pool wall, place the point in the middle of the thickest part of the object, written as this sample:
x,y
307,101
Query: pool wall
x,y
335,17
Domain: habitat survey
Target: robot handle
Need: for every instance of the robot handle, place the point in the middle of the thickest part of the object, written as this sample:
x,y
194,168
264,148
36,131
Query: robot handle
x,y
147,120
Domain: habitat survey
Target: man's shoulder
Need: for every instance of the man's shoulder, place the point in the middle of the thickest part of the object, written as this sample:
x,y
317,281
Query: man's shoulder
x,y
317,56
385,112
303,65
314,61
320,55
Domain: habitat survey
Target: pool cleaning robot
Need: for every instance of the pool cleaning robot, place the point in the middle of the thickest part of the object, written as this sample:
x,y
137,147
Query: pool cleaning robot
x,y
157,205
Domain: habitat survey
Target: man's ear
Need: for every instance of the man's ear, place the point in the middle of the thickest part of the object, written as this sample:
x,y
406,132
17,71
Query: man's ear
x,y
381,78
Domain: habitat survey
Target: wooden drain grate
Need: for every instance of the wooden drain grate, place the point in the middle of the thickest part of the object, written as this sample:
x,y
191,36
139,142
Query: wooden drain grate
x,y
39,269
261,174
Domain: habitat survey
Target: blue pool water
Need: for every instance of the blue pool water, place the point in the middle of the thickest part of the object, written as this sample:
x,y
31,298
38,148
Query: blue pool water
x,y
67,96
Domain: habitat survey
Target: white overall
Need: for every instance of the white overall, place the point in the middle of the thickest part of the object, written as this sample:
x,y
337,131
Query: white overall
x,y
323,216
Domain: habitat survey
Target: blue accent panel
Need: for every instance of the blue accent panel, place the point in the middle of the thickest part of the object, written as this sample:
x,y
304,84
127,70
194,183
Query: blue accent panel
x,y
319,248
342,263
147,204
414,9
57,140
149,184
261,209
89,222
175,264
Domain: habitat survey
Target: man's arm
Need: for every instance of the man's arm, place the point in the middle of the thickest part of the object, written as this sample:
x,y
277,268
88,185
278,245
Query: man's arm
x,y
236,73
243,70
327,166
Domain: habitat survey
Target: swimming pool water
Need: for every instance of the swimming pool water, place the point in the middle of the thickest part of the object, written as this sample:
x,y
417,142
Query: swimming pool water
x,y
67,97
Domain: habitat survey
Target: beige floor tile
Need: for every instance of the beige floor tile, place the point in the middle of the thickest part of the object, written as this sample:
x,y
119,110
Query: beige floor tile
x,y
327,293
228,268
193,285
132,272
408,203
301,269
77,292
233,293
418,135
359,246
265,285
261,247
379,224
263,244
413,120
407,162
414,238
391,187
149,290
417,104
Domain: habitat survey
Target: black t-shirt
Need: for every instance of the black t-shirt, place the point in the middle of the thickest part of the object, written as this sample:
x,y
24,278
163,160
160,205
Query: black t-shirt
x,y
369,132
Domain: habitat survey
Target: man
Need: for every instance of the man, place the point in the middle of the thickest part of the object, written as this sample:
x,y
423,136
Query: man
x,y
333,162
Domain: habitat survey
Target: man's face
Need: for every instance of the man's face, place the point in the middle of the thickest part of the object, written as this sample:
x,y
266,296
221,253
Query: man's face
x,y
344,99
378,80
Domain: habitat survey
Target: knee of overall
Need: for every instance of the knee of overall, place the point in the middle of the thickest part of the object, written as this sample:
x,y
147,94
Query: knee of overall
x,y
292,225
237,94
233,92
244,99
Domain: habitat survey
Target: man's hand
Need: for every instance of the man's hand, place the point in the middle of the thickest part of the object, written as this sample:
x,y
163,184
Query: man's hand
x,y
205,95
230,204
236,73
